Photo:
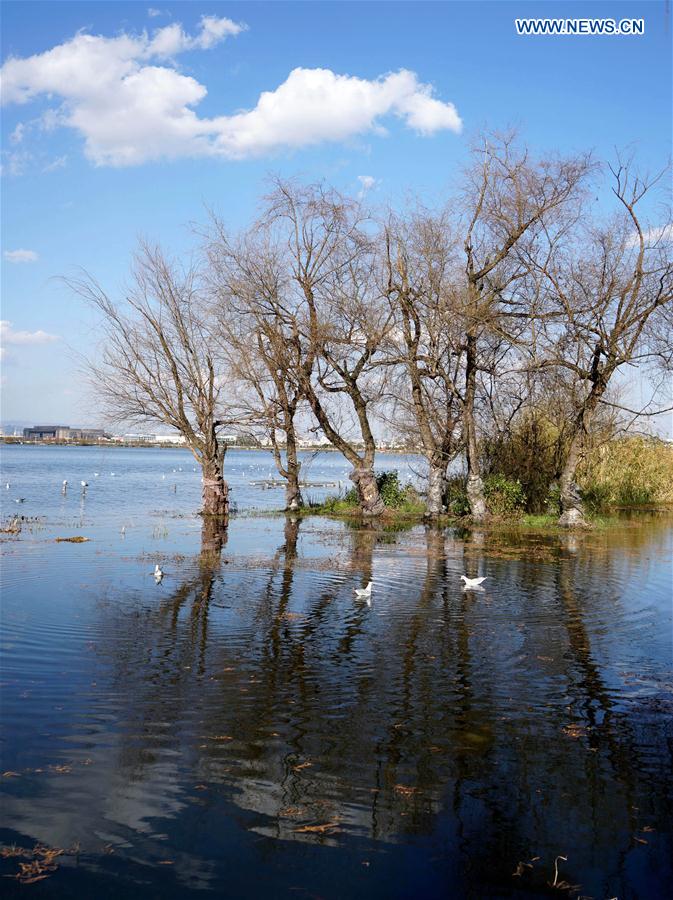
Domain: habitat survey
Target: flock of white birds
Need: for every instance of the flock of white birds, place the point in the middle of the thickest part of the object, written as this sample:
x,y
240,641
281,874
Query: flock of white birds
x,y
469,584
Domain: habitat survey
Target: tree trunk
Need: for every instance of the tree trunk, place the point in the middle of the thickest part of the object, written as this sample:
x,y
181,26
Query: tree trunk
x,y
293,498
213,539
215,491
476,496
436,487
572,508
369,497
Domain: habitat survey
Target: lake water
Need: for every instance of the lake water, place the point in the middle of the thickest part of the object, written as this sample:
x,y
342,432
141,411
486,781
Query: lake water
x,y
247,728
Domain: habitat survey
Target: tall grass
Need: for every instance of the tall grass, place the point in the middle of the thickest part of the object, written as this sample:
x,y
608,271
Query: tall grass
x,y
628,472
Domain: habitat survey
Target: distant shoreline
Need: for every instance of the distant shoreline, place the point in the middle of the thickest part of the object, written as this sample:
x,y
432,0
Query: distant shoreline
x,y
9,440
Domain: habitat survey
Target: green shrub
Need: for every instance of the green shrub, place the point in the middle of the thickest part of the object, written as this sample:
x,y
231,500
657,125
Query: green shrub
x,y
596,496
504,496
553,501
455,497
391,491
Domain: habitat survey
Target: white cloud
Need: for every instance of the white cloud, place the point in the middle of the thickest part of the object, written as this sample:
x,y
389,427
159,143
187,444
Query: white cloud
x,y
316,105
59,163
662,234
18,134
127,98
153,13
15,162
9,336
20,256
367,182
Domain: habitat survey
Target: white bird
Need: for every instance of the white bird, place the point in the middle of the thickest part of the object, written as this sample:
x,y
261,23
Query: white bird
x,y
65,482
96,474
123,530
158,574
364,593
84,484
473,582
20,500
112,473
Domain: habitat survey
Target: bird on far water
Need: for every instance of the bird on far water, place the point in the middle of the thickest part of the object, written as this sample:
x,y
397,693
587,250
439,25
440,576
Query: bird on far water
x,y
158,574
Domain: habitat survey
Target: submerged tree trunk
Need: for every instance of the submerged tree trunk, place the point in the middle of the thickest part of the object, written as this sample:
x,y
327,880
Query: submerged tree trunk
x,y
476,496
436,488
369,497
293,498
213,539
215,491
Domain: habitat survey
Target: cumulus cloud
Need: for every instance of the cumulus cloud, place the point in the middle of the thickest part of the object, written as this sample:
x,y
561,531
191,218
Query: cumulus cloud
x,y
127,98
316,105
20,256
9,336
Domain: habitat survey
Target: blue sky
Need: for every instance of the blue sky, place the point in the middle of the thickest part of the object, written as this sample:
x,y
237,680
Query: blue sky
x,y
85,130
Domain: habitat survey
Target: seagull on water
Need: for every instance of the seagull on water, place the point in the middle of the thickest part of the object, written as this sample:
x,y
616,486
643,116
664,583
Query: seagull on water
x,y
364,593
20,500
7,485
158,574
473,582
85,484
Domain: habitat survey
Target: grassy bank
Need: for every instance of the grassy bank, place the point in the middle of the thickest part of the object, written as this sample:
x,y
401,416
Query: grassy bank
x,y
414,512
506,500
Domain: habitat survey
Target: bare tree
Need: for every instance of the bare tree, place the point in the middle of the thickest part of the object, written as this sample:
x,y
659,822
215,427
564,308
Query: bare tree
x,y
256,327
509,198
157,362
608,299
419,269
340,321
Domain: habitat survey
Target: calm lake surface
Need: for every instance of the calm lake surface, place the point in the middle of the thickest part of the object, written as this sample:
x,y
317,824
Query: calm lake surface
x,y
247,728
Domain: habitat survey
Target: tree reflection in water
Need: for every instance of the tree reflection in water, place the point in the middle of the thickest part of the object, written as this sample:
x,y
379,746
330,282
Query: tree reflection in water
x,y
480,729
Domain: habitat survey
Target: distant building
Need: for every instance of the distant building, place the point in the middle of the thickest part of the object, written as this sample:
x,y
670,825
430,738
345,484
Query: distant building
x,y
47,433
138,438
63,433
171,439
